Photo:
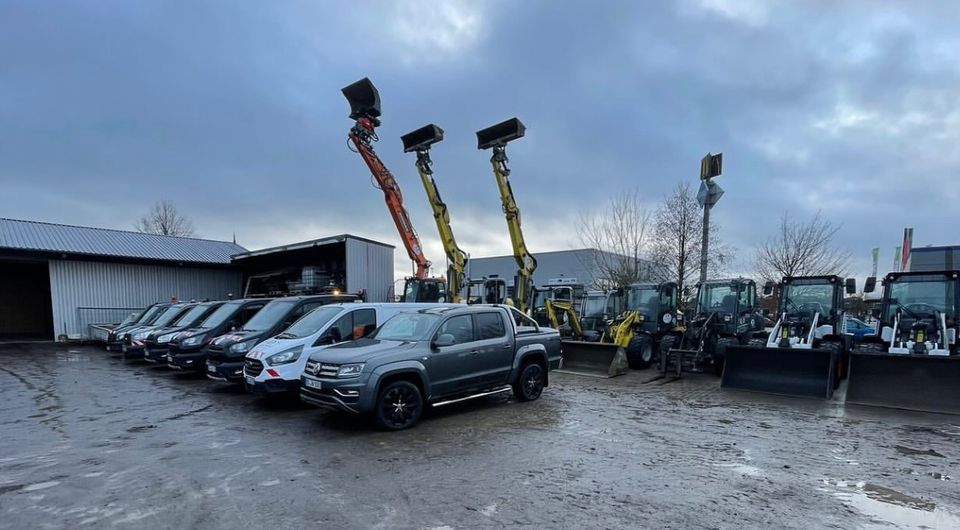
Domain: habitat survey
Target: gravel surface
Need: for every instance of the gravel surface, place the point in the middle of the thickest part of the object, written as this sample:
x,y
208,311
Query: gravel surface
x,y
87,440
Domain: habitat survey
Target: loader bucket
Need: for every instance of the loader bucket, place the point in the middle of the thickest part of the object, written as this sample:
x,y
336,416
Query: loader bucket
x,y
421,138
500,134
785,371
914,382
364,99
593,358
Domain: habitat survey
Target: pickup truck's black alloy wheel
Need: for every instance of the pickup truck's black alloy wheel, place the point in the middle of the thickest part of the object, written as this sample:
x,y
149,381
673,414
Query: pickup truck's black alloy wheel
x,y
530,385
400,405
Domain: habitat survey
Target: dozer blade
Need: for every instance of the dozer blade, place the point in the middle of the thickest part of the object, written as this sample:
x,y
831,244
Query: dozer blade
x,y
914,382
500,133
595,359
364,99
785,371
421,138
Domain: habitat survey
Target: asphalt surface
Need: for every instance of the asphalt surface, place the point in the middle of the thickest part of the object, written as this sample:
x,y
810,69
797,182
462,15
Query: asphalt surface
x,y
87,440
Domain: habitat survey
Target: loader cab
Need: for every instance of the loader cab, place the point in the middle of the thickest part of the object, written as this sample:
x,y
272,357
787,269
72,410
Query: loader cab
x,y
595,311
655,303
730,303
919,312
424,290
807,296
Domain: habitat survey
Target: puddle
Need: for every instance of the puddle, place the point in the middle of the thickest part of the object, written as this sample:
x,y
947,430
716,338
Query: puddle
x,y
743,469
904,450
887,505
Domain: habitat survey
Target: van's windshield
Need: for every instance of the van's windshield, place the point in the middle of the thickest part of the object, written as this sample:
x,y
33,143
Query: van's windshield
x,y
270,315
151,314
310,323
221,314
167,317
191,316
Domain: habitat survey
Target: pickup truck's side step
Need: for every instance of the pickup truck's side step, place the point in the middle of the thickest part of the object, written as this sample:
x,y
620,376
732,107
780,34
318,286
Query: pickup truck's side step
x,y
473,396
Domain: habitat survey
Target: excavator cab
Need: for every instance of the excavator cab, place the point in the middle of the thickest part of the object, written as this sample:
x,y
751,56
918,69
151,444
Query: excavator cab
x,y
424,290
491,290
913,362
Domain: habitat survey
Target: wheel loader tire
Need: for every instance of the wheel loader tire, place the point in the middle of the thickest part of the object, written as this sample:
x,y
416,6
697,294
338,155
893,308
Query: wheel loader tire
x,y
640,352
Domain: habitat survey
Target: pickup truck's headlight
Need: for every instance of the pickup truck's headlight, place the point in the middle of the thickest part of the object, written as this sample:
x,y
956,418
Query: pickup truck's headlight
x,y
192,341
241,347
350,370
285,357
163,339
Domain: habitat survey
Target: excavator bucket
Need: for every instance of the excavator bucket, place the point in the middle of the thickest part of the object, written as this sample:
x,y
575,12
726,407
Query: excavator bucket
x,y
500,133
421,138
785,371
364,99
593,358
924,383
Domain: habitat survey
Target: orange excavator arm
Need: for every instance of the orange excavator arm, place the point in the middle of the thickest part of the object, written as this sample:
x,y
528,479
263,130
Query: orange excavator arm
x,y
365,109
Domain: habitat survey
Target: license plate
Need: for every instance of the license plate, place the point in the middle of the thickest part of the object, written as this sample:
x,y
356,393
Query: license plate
x,y
211,368
124,348
169,358
313,384
250,380
146,351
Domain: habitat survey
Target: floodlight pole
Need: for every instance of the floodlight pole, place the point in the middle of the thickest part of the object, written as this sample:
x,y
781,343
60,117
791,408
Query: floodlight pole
x,y
705,245
710,166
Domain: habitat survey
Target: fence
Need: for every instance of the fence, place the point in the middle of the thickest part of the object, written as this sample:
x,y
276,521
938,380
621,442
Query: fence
x,y
93,320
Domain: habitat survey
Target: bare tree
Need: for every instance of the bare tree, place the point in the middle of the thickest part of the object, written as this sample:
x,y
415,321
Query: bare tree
x,y
801,249
678,232
164,219
620,234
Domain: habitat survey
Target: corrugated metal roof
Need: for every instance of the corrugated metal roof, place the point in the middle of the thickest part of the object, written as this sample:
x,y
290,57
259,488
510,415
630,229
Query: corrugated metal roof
x,y
67,239
307,244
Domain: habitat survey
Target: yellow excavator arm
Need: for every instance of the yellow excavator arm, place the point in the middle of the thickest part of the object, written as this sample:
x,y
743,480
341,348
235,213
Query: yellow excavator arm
x,y
496,137
553,306
420,141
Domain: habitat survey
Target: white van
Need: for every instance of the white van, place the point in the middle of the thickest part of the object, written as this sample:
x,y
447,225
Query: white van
x,y
274,366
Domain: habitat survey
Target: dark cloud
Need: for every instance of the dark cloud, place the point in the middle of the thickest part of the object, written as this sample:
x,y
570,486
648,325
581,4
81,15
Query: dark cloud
x,y
233,111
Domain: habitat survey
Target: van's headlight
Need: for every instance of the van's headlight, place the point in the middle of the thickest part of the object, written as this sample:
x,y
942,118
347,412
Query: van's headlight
x,y
350,370
241,347
285,357
192,341
140,335
163,339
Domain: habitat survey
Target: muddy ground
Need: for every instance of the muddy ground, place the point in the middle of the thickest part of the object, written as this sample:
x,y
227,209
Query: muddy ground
x,y
88,440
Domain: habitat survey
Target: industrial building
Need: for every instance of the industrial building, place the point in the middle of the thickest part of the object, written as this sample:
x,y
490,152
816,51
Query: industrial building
x,y
579,264
56,280
943,258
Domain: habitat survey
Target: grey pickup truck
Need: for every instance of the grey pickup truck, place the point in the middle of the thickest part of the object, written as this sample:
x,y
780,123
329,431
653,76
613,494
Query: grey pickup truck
x,y
433,356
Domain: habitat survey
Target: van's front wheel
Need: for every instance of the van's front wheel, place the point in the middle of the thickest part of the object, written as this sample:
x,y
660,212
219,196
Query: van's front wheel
x,y
399,406
530,384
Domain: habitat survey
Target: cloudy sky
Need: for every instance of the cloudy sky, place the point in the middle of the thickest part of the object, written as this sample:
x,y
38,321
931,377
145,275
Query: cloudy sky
x,y
233,111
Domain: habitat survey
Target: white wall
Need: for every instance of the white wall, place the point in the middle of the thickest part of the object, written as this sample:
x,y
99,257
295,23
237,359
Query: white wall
x,y
370,267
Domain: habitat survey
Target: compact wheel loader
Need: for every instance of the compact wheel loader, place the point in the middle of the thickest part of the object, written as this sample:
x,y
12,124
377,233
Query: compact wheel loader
x,y
725,315
806,352
914,361
632,339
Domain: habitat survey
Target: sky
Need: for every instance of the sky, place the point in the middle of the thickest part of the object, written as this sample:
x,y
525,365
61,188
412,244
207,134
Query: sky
x,y
233,112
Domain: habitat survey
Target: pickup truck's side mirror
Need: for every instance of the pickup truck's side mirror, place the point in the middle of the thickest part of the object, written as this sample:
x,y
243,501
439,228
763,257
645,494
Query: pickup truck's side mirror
x,y
444,340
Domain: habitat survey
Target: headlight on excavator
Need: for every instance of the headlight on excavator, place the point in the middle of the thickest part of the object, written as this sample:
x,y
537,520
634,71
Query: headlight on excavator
x,y
728,318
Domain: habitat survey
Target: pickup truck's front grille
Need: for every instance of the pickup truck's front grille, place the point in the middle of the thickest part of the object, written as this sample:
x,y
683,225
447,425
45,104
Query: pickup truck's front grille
x,y
252,367
321,369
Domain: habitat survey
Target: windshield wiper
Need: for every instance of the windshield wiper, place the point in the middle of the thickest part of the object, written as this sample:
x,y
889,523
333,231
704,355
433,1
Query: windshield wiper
x,y
905,310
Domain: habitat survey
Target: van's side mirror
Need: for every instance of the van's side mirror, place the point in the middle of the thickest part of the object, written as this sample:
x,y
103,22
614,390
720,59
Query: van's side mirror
x,y
851,285
870,284
768,289
444,340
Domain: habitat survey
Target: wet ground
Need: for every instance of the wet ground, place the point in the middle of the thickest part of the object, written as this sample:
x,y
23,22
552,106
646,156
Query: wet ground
x,y
89,441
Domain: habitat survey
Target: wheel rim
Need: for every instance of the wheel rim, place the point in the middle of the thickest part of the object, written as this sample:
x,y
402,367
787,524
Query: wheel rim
x,y
646,352
399,406
533,381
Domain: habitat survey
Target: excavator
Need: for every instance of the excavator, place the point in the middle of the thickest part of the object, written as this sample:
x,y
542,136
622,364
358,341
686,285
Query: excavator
x,y
805,354
420,141
496,138
364,102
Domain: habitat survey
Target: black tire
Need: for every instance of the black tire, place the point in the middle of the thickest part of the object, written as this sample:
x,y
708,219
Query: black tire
x,y
640,352
530,384
399,406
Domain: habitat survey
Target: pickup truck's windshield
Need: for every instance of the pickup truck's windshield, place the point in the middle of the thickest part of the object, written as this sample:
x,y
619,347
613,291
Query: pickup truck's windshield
x,y
407,327
310,323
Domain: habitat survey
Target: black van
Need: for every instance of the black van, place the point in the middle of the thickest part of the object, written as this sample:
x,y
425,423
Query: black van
x,y
156,344
188,349
225,354
146,317
133,339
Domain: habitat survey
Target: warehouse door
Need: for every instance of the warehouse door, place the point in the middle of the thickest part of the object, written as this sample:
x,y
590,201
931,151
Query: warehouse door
x,y
25,311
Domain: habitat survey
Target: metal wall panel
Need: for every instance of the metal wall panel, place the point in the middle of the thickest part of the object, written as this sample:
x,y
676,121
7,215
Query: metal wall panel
x,y
579,264
370,267
75,284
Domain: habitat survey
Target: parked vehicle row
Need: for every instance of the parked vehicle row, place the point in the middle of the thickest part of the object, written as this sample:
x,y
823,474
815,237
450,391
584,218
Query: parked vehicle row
x,y
386,360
